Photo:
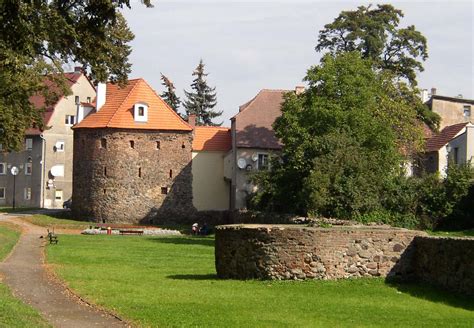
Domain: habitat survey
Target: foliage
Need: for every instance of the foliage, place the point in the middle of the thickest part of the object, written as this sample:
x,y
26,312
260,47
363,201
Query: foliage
x,y
169,95
38,37
374,33
171,282
202,101
342,141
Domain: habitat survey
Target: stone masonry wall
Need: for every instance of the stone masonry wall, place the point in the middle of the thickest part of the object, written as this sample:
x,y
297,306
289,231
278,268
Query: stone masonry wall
x,y
295,252
445,262
118,183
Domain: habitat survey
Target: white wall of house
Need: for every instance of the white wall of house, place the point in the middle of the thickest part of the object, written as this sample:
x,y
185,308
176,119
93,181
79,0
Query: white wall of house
x,y
210,190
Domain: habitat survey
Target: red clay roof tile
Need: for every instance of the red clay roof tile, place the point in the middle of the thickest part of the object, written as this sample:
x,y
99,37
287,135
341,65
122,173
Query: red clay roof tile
x,y
212,138
447,134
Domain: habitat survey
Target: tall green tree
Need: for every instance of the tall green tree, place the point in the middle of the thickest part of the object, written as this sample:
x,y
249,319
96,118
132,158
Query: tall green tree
x,y
169,95
344,140
374,33
38,37
202,99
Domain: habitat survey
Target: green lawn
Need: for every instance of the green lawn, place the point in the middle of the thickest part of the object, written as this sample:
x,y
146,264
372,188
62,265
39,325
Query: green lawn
x,y
63,222
163,282
13,313
459,233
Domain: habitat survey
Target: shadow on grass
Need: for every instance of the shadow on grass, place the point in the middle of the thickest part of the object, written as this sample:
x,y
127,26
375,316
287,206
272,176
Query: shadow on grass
x,y
193,277
203,241
433,294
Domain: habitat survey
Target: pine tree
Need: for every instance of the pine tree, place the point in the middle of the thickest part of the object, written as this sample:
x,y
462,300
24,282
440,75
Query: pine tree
x,y
202,99
169,95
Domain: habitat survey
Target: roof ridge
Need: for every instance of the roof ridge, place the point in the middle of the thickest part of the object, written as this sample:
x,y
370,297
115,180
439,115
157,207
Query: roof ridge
x,y
168,106
121,104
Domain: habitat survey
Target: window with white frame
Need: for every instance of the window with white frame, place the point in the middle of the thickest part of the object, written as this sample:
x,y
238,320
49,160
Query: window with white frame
x,y
2,192
140,112
467,111
262,162
70,120
29,167
77,100
3,168
28,144
59,146
27,193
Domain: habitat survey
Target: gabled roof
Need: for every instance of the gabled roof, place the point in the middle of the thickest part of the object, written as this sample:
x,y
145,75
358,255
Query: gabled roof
x,y
212,138
254,121
452,99
436,142
39,102
117,112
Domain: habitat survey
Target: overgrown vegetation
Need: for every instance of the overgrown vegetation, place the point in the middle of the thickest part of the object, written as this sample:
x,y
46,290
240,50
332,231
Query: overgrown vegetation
x,y
171,282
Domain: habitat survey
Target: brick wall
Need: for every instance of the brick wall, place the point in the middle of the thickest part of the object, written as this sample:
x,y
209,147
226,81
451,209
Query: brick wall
x,y
295,252
445,262
123,182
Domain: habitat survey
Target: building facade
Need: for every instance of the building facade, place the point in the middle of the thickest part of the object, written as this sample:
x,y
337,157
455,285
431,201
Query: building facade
x,y
452,110
45,164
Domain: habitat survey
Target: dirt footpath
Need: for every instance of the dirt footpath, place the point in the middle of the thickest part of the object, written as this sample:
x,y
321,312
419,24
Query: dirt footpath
x,y
25,273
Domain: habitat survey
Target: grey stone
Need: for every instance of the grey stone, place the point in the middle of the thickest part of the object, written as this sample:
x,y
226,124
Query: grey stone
x,y
365,254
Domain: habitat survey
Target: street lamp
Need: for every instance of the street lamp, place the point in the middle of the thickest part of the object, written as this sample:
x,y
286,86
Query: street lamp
x,y
14,170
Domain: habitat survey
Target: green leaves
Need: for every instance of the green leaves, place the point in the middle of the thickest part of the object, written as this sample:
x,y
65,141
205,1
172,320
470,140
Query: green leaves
x,y
38,37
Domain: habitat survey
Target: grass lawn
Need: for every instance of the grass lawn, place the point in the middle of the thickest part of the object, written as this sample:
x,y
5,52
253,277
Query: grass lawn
x,y
163,282
13,313
60,221
459,233
16,210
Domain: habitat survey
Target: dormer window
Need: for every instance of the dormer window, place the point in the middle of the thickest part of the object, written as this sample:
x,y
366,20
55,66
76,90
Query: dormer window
x,y
140,112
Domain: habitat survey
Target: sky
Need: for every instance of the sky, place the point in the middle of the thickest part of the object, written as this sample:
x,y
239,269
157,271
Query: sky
x,y
248,45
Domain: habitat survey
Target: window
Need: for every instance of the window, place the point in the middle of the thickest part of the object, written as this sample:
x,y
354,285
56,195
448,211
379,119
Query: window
x,y
262,163
89,100
77,100
2,192
27,193
59,146
456,155
105,171
171,174
183,146
3,168
467,111
70,120
158,145
29,167
140,112
103,143
132,144
58,195
139,172
28,144
164,190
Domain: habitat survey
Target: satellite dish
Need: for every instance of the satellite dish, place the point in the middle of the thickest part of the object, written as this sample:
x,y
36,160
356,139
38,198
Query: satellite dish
x,y
241,163
57,171
254,157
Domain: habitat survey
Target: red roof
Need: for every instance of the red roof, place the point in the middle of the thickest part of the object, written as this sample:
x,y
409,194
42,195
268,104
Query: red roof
x,y
436,142
254,121
212,138
39,102
117,112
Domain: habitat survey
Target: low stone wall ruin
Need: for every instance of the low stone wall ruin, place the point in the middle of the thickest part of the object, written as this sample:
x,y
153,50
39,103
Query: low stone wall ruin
x,y
297,252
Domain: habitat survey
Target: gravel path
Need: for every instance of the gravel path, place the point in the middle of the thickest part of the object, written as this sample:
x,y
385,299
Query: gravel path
x,y
24,272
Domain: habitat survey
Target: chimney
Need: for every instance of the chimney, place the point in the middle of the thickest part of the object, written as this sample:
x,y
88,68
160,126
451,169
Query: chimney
x,y
78,70
299,89
192,120
101,90
424,95
459,96
433,91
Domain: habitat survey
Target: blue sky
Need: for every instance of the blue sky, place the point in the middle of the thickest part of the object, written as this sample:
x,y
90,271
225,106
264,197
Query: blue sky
x,y
248,45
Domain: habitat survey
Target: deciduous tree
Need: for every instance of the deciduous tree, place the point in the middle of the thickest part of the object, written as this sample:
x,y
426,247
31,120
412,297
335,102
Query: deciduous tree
x,y
38,37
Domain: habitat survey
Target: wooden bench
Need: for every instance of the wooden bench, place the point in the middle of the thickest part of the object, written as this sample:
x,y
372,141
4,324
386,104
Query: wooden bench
x,y
52,237
131,232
